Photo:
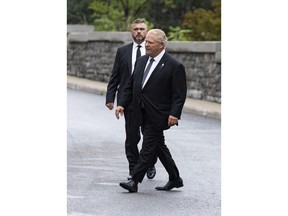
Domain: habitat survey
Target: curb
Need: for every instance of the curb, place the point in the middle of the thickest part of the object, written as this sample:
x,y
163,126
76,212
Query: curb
x,y
197,107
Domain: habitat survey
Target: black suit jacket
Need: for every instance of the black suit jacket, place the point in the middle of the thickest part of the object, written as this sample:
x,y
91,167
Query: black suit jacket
x,y
121,73
164,93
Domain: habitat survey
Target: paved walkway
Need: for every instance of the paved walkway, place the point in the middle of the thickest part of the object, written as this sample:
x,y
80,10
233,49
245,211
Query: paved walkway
x,y
199,107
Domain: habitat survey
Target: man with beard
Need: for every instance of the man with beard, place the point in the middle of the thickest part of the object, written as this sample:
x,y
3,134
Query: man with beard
x,y
125,59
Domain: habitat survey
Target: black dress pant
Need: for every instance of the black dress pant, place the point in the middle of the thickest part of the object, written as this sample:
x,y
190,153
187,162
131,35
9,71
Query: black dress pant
x,y
132,138
153,146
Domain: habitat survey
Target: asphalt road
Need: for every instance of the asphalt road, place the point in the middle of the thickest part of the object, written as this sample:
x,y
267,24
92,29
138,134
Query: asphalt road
x,y
96,163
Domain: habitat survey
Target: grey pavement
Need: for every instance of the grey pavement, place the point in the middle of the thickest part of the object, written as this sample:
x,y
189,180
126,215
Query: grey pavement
x,y
96,163
198,107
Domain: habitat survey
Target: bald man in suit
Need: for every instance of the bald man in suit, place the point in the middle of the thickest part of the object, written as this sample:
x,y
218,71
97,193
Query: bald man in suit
x,y
158,96
121,72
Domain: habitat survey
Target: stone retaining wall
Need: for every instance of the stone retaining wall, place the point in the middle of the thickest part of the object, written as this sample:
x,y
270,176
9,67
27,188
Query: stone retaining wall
x,y
91,55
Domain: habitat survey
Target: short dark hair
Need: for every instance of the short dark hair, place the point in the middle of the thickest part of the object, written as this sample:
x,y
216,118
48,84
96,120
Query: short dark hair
x,y
138,20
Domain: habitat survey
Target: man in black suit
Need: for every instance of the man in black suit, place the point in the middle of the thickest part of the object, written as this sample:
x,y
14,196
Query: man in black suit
x,y
122,70
158,97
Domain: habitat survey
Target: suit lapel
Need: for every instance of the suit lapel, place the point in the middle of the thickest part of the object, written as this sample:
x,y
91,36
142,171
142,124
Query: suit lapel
x,y
157,71
143,64
130,57
139,70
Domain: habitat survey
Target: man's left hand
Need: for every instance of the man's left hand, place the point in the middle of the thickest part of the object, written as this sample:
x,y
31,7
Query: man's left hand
x,y
119,111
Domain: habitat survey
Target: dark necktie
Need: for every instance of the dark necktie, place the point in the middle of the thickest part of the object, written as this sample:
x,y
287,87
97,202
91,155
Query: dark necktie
x,y
138,54
147,70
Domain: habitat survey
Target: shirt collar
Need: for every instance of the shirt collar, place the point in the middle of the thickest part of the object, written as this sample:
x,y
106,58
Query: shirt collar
x,y
159,56
135,45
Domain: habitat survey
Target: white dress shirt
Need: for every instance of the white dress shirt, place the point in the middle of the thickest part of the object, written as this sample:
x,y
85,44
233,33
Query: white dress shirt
x,y
153,66
134,51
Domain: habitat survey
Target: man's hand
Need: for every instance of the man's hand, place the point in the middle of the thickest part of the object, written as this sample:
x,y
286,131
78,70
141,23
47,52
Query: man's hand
x,y
172,120
119,111
110,106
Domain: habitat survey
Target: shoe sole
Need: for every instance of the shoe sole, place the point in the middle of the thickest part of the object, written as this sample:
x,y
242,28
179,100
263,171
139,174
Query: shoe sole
x,y
178,186
130,191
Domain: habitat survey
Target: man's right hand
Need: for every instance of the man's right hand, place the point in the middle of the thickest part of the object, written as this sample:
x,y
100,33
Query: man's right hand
x,y
110,106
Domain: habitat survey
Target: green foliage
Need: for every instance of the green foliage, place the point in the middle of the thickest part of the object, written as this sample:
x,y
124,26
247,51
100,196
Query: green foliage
x,y
150,25
195,20
178,34
78,12
205,25
104,16
115,14
166,13
104,24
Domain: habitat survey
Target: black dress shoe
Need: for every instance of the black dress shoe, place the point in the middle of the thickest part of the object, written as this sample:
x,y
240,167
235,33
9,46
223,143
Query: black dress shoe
x,y
151,172
131,186
171,184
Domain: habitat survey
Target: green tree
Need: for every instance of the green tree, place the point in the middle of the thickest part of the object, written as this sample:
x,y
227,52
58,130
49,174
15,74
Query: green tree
x,y
204,25
115,15
181,20
78,12
118,14
169,13
178,34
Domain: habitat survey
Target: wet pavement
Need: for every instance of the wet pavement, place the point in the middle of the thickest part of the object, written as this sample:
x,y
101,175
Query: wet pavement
x,y
97,163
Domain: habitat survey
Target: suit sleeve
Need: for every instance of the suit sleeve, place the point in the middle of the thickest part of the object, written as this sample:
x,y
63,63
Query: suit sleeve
x,y
179,90
128,93
114,79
